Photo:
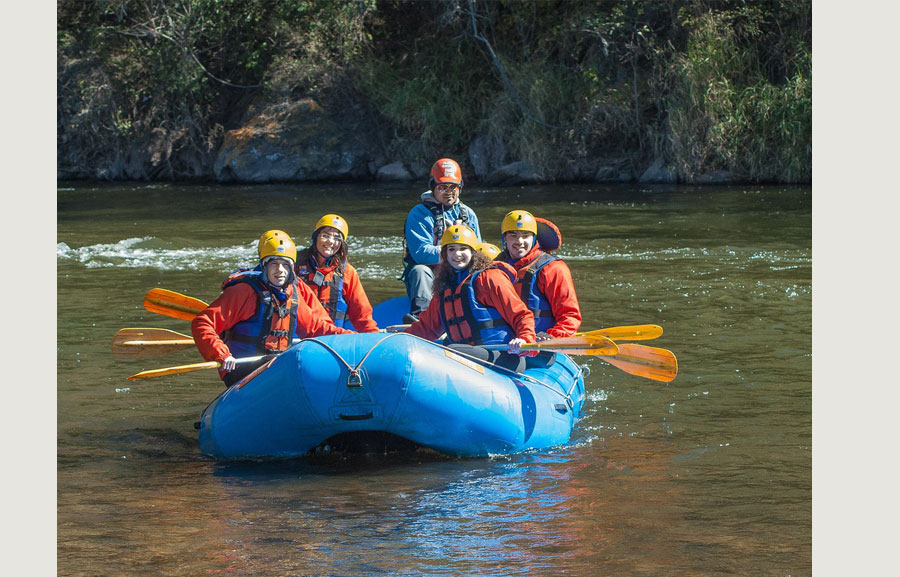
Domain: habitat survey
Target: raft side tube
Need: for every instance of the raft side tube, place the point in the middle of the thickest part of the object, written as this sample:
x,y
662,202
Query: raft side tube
x,y
405,386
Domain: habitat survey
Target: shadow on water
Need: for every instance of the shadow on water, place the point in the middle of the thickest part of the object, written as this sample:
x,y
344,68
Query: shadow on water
x,y
344,454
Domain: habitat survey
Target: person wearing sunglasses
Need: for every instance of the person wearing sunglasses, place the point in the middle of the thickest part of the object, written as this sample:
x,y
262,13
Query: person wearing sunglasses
x,y
439,209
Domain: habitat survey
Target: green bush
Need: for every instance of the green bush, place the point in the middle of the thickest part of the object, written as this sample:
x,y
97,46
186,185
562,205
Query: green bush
x,y
724,112
705,86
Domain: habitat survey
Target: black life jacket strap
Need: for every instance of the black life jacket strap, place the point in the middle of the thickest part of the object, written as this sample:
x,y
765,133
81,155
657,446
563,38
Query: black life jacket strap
x,y
336,288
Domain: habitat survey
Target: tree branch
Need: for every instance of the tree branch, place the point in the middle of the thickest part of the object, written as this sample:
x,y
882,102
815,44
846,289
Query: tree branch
x,y
503,76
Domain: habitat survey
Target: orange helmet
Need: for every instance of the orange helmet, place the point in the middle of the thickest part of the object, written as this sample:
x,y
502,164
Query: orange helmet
x,y
460,234
445,170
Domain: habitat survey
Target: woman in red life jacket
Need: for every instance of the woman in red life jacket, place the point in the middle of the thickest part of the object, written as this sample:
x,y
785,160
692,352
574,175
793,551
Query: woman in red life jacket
x,y
259,311
543,280
475,303
324,268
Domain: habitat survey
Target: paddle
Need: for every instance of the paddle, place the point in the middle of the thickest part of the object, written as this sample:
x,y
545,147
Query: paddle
x,y
151,343
627,333
173,304
648,362
154,373
179,306
624,333
577,345
132,343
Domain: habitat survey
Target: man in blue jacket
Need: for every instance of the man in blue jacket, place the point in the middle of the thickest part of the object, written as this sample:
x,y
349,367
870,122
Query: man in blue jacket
x,y
440,208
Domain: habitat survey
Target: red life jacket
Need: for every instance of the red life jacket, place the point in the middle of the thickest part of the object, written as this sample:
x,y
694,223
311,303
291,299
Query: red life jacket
x,y
467,321
526,286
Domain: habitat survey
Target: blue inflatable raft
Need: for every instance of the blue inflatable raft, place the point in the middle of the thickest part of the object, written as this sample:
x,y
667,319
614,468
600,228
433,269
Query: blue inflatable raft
x,y
391,383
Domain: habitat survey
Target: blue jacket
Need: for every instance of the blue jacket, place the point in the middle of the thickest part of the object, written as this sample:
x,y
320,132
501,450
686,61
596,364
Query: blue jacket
x,y
422,232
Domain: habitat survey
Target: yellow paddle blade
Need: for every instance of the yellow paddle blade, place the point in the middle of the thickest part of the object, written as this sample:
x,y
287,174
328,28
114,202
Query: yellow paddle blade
x,y
173,304
576,345
628,333
648,362
141,343
154,373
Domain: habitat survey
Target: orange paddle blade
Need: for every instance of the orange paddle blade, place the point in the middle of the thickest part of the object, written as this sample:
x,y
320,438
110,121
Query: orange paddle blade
x,y
628,333
154,373
173,304
592,344
135,343
649,362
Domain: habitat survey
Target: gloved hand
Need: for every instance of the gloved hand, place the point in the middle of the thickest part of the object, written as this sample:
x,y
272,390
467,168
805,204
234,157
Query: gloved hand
x,y
542,336
228,364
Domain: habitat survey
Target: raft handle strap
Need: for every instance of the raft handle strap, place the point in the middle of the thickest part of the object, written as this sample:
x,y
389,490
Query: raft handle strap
x,y
354,379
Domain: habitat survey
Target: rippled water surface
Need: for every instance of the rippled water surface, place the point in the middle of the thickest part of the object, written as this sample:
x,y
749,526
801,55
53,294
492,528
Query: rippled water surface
x,y
708,475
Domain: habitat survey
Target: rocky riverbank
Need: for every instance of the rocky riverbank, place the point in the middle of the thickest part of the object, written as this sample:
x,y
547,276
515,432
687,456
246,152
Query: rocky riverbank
x,y
304,142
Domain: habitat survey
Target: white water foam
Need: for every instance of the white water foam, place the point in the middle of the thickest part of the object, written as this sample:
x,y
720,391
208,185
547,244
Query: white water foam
x,y
147,252
152,252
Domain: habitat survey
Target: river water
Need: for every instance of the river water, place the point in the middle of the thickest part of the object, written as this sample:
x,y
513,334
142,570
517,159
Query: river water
x,y
710,474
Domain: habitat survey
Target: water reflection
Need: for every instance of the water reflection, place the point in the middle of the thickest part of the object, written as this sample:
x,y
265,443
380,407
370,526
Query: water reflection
x,y
419,515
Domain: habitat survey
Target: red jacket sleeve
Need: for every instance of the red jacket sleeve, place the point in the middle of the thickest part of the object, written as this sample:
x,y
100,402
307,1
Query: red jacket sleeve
x,y
235,304
494,289
555,282
429,326
312,318
359,310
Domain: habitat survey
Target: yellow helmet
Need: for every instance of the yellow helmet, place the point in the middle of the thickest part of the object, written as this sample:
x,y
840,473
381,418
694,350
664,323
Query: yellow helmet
x,y
460,234
518,220
333,221
491,250
276,243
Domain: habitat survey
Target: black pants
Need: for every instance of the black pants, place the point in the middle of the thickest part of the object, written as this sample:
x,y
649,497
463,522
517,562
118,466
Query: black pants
x,y
505,360
244,369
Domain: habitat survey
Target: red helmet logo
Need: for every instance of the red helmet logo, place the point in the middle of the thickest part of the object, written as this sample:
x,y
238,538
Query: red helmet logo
x,y
446,170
